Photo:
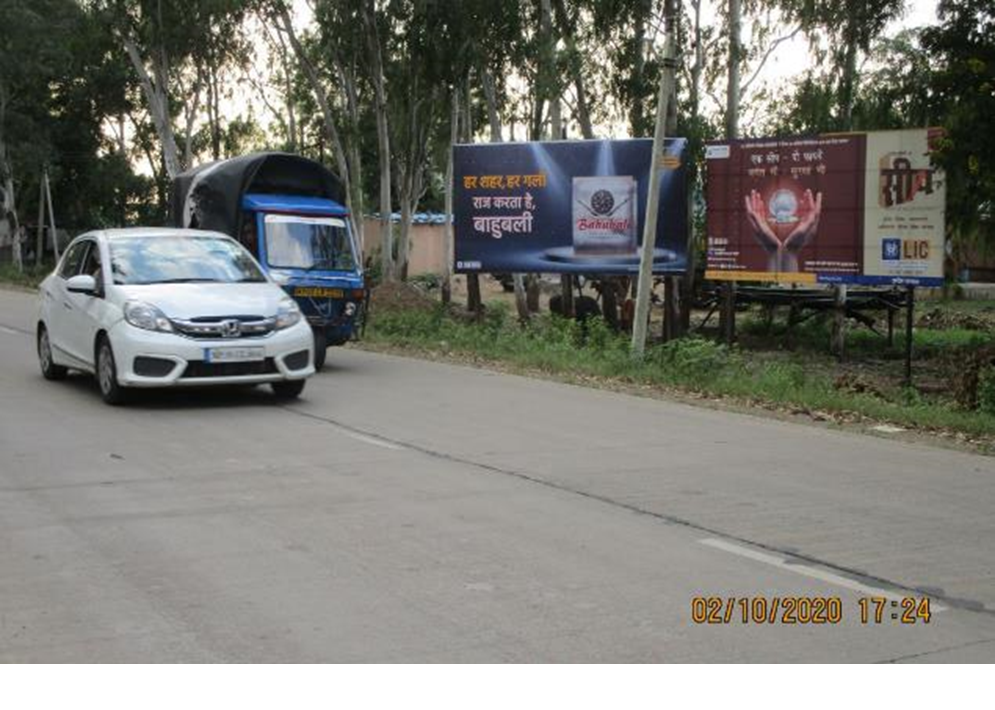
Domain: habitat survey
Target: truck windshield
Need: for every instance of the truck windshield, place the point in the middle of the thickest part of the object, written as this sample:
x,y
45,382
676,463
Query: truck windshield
x,y
308,243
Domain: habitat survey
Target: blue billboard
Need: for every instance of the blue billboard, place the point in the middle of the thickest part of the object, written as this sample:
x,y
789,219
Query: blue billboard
x,y
566,207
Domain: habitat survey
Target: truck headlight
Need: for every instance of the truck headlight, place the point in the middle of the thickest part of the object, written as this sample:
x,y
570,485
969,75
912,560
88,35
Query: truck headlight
x,y
146,316
287,314
350,309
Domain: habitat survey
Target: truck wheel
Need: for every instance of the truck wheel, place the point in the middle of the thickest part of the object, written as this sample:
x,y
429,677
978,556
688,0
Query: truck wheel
x,y
320,348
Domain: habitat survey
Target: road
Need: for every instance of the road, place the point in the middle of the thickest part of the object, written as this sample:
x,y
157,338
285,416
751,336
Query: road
x,y
405,510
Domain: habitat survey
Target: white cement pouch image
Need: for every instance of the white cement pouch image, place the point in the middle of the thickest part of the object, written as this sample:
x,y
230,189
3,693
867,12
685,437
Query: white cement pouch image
x,y
604,214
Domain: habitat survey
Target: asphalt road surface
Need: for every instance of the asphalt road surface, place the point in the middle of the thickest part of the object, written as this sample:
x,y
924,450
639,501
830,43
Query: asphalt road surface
x,y
404,510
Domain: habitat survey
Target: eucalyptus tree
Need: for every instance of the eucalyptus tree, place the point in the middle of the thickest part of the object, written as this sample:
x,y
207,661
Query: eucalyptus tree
x,y
178,50
961,50
849,27
328,58
59,85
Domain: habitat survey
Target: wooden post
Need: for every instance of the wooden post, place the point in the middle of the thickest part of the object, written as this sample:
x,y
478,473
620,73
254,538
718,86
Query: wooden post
x,y
474,303
567,292
891,327
671,316
838,342
910,300
532,292
609,302
728,312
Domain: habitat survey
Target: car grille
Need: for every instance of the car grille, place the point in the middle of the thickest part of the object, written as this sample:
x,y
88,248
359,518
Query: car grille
x,y
225,327
199,368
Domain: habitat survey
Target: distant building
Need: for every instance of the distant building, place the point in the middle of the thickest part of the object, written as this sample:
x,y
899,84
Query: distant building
x,y
427,245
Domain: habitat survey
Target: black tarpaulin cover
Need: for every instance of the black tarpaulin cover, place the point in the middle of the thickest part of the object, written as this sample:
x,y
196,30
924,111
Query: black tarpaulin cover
x,y
210,196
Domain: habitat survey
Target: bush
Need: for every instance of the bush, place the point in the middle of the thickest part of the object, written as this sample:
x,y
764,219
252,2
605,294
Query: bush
x,y
691,359
986,390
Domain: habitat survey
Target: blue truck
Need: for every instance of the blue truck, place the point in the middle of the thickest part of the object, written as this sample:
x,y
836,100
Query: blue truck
x,y
289,212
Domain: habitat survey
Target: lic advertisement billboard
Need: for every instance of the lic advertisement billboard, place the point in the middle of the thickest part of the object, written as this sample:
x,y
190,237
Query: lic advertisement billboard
x,y
566,206
860,208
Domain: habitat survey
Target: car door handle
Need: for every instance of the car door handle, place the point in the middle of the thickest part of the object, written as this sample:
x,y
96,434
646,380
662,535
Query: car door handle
x,y
68,306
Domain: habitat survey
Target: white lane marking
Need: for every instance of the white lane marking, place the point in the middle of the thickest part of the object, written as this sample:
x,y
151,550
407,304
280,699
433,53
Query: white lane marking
x,y
5,329
808,571
370,440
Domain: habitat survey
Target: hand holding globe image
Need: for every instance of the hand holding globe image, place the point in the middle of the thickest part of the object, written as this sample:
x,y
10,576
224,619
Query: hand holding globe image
x,y
783,225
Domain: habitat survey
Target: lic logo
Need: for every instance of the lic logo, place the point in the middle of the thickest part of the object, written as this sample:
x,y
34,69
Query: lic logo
x,y
891,249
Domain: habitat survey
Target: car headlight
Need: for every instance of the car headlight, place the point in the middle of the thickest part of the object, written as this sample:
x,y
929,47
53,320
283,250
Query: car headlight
x,y
287,314
146,316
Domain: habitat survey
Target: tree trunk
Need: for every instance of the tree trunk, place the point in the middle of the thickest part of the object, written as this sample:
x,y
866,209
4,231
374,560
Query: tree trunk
x,y
493,118
156,95
848,81
583,114
347,80
447,279
474,303
727,314
190,114
521,298
735,55
402,245
324,105
383,139
637,118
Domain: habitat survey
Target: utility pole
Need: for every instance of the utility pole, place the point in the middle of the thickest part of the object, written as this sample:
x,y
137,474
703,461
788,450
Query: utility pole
x,y
640,324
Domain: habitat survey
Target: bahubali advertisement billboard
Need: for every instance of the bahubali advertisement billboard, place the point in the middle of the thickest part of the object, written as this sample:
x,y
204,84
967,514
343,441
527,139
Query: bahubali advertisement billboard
x,y
566,206
861,208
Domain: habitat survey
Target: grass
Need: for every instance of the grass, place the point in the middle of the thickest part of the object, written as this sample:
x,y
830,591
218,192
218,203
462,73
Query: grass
x,y
798,379
30,277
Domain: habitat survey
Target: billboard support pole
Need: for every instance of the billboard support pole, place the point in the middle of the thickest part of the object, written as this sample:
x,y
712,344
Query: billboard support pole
x,y
567,292
839,321
727,314
910,301
641,321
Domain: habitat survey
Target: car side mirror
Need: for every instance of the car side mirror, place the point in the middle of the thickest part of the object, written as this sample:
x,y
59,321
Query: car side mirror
x,y
82,283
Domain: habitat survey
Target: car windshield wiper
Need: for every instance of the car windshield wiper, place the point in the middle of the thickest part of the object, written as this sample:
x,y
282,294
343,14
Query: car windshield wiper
x,y
332,264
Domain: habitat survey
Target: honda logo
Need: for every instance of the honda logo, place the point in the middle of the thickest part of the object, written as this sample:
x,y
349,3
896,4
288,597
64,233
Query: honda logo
x,y
231,328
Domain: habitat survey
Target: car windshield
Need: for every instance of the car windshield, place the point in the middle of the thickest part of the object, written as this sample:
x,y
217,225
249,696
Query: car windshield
x,y
308,243
181,259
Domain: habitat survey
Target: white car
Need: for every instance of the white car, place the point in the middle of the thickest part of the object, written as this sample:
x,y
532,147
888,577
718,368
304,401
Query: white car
x,y
165,307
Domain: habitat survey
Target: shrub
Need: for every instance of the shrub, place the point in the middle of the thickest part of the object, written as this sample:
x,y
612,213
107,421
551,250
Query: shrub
x,y
986,390
694,359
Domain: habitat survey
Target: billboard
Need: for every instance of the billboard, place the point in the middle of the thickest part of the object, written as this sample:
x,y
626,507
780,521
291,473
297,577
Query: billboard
x,y
860,208
566,206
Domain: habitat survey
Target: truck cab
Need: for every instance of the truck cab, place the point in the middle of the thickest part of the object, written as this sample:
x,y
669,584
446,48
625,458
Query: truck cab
x,y
306,245
288,212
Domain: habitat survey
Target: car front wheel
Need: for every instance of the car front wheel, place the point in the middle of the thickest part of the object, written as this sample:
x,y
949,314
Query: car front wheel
x,y
290,389
110,390
49,370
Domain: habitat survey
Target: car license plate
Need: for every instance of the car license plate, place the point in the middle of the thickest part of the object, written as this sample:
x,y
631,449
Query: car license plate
x,y
318,292
234,354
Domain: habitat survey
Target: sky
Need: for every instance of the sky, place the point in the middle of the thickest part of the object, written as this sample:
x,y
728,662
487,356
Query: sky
x,y
791,59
